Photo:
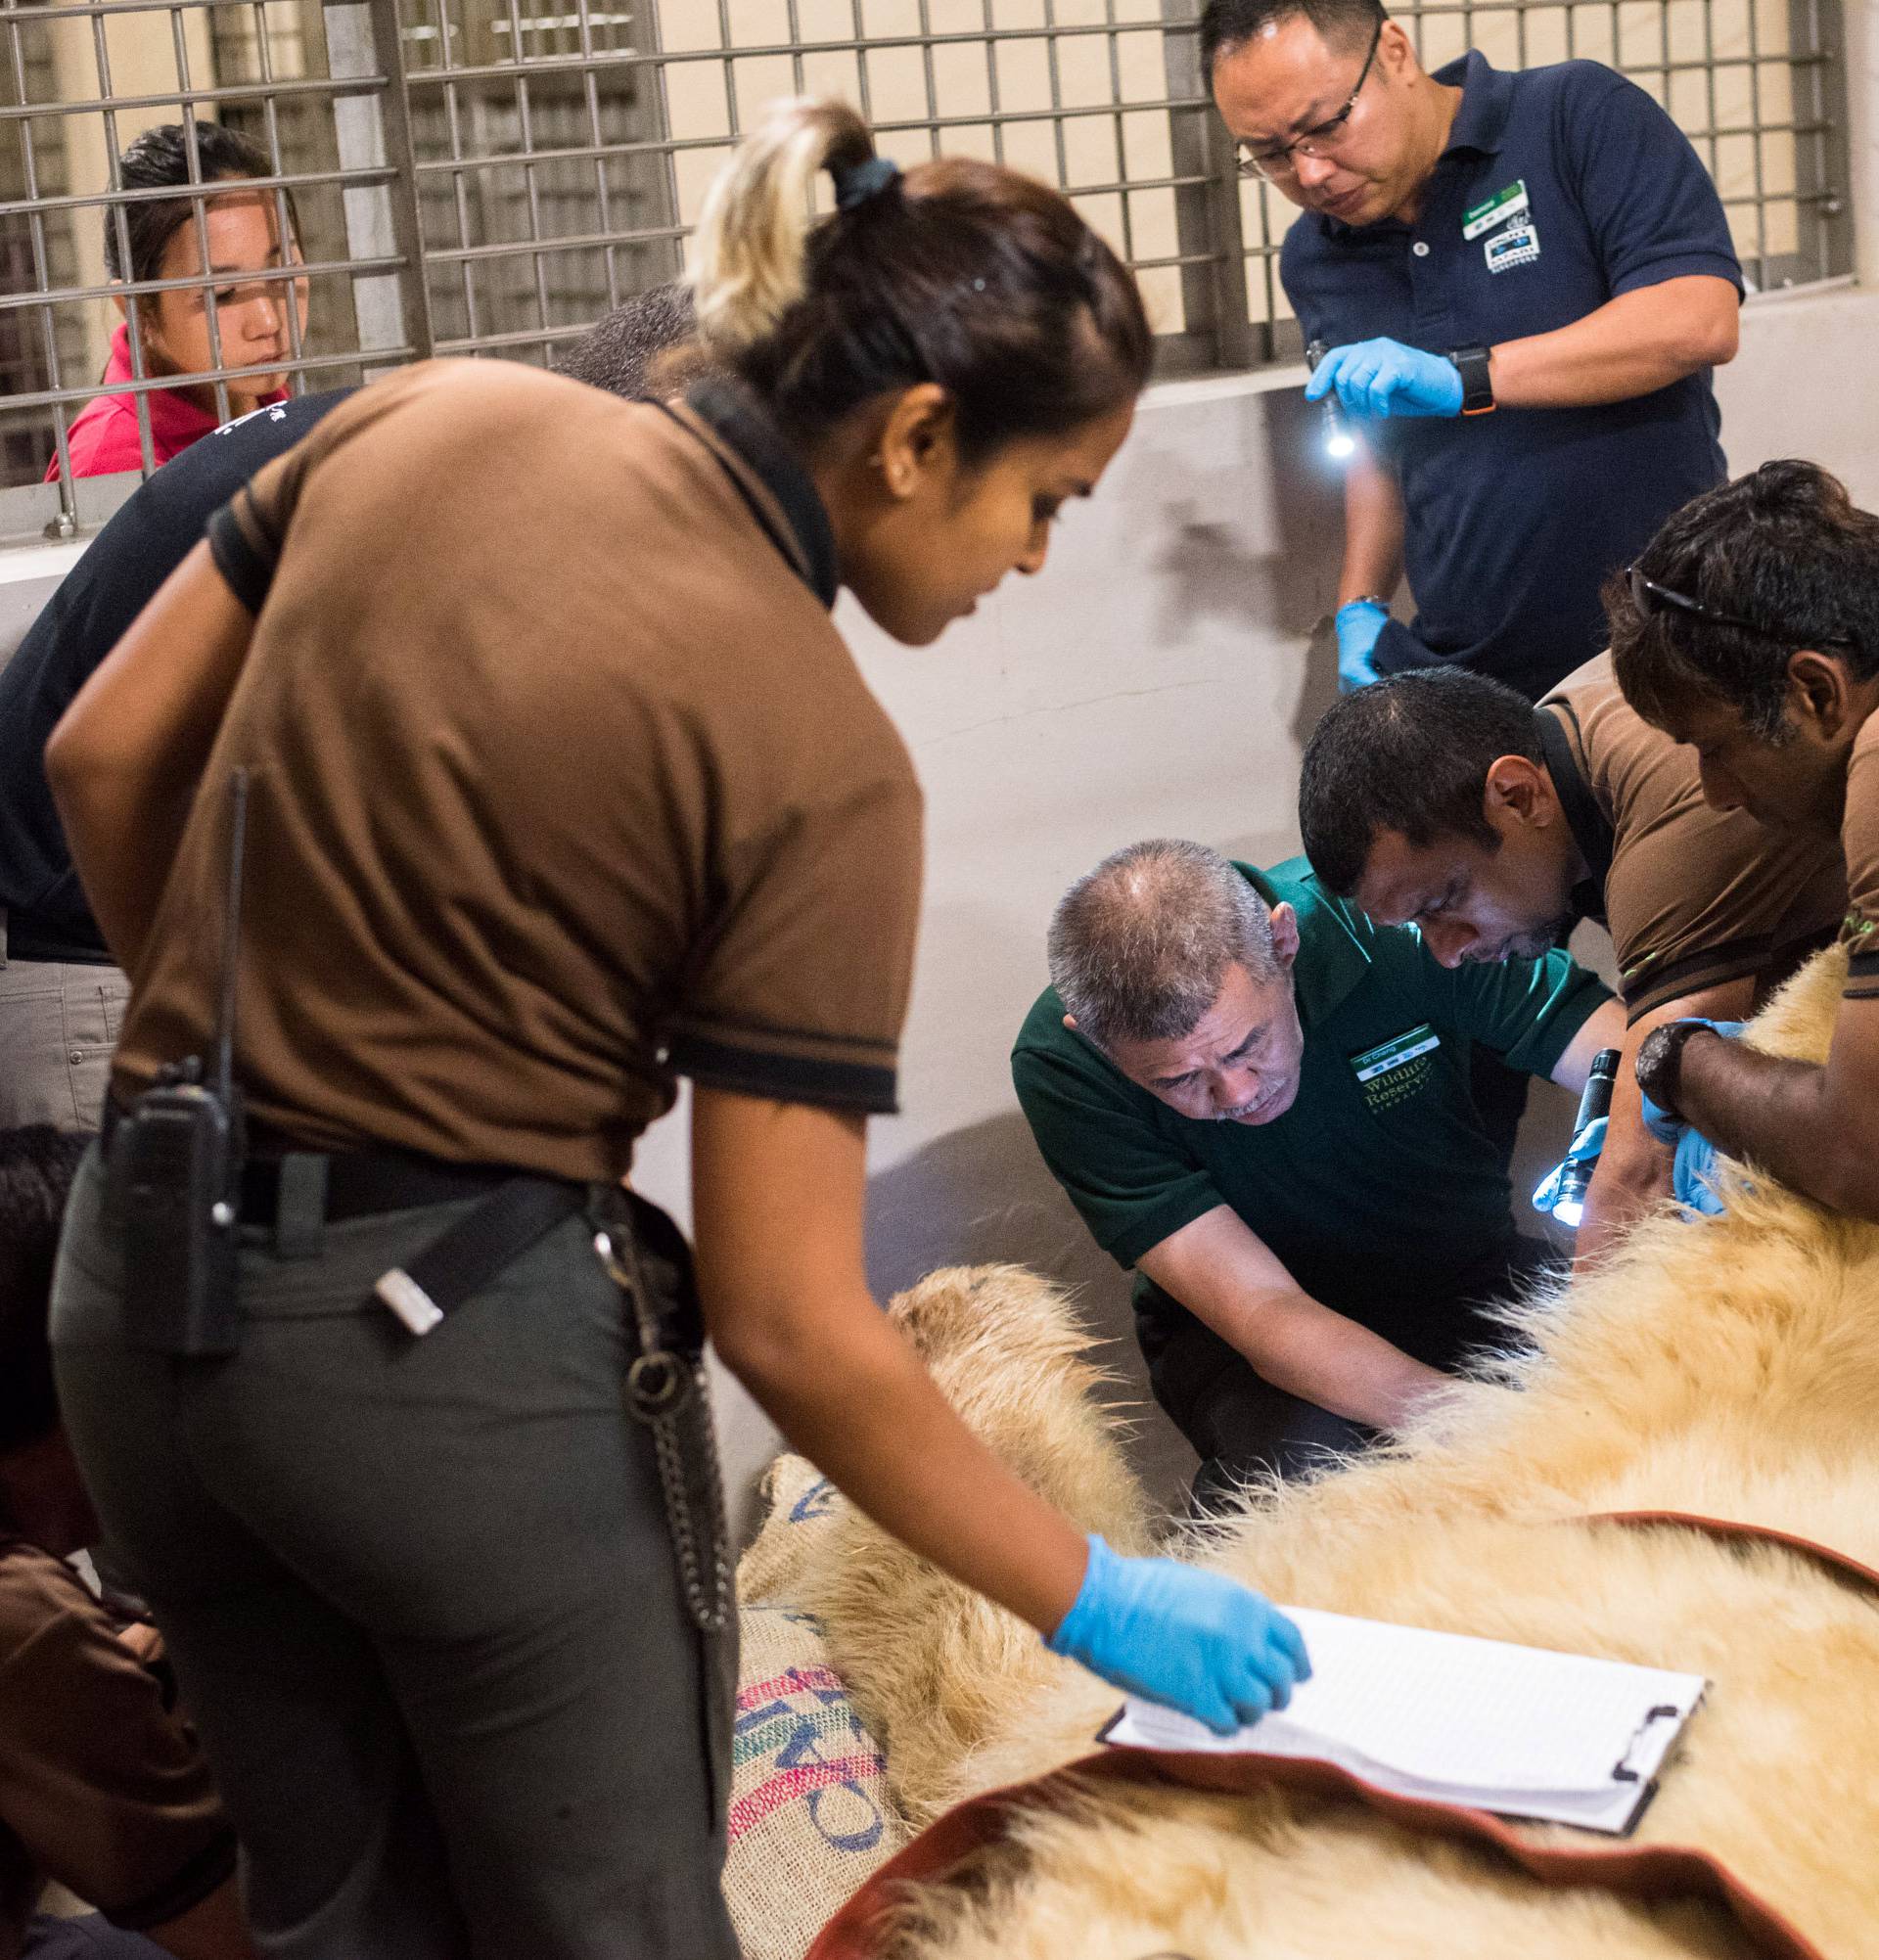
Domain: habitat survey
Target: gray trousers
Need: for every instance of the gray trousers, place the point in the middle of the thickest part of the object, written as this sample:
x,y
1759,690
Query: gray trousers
x,y
420,1598
58,1026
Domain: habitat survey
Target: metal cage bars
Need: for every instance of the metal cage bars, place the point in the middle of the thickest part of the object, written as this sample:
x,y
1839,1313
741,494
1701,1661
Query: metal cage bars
x,y
504,175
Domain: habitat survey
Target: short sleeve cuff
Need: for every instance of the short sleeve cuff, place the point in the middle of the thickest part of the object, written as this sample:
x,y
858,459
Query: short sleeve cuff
x,y
1398,649
1191,1199
1679,265
1862,977
247,569
1696,973
1538,1053
867,1087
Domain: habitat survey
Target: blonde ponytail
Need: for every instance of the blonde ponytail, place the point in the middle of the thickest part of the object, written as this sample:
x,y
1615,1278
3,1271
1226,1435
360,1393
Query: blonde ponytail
x,y
753,231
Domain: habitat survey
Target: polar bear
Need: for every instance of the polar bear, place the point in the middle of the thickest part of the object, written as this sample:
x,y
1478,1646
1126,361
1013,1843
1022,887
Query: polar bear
x,y
1726,1367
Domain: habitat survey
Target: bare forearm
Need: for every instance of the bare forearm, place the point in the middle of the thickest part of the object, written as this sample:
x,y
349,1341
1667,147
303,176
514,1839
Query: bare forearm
x,y
1631,1175
124,839
777,1197
126,758
871,1419
1634,1169
1324,1357
1631,345
1229,1279
1782,1117
1372,530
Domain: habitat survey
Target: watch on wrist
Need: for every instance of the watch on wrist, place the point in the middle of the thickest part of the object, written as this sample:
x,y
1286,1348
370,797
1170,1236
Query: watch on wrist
x,y
1477,381
1660,1062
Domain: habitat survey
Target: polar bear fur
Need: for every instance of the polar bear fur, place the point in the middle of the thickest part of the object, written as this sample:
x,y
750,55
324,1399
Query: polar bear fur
x,y
1726,1367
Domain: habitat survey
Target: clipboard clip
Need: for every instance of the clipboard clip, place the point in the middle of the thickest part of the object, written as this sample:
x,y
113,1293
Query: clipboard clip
x,y
1622,1770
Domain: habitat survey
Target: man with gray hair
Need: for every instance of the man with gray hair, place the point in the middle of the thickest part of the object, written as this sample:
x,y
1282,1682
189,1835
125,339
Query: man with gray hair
x,y
1259,1101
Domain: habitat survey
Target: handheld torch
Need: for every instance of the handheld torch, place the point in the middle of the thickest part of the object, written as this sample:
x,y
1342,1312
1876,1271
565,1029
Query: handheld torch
x,y
1562,1192
1338,439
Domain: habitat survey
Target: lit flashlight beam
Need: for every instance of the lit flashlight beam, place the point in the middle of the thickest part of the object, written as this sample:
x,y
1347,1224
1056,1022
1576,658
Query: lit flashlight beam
x,y
1339,442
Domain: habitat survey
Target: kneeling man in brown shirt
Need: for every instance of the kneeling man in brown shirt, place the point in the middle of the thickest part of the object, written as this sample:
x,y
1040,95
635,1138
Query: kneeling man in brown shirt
x,y
1441,799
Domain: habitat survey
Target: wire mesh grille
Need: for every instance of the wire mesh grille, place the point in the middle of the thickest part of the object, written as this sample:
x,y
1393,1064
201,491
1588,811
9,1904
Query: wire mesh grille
x,y
492,175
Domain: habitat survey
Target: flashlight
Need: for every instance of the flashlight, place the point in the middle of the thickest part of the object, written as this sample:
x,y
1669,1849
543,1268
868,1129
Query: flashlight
x,y
1338,439
1562,1192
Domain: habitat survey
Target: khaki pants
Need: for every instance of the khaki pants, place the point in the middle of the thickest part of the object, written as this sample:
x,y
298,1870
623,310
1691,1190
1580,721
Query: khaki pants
x,y
58,1027
421,1597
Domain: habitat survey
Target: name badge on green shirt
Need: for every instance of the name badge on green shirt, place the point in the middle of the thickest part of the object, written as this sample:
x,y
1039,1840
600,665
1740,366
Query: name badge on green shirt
x,y
1395,1069
1495,210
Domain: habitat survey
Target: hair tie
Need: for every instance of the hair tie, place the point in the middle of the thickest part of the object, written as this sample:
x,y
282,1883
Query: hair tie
x,y
857,182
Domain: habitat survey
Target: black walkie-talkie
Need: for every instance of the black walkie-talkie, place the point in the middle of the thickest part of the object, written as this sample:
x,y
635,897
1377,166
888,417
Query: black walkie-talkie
x,y
177,1173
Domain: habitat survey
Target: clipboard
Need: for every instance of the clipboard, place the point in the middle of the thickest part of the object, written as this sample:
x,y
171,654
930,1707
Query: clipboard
x,y
1451,1718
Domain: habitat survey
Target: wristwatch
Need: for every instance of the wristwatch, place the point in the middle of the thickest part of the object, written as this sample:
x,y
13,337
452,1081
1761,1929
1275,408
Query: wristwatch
x,y
1659,1060
1477,382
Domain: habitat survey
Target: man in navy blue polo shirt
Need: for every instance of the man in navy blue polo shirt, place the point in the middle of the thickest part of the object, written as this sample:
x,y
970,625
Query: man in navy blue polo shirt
x,y
1524,281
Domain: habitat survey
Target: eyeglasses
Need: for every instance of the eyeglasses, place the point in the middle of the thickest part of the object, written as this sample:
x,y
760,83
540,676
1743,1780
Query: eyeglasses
x,y
1317,141
1651,598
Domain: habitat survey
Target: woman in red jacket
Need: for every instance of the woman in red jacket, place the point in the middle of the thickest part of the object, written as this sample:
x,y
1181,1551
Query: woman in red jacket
x,y
160,238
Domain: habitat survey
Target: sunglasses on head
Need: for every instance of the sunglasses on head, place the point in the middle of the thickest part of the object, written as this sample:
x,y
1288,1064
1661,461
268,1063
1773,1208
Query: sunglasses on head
x,y
1651,598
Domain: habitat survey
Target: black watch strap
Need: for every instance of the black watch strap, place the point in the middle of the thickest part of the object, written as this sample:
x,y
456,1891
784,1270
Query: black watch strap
x,y
1477,381
1659,1062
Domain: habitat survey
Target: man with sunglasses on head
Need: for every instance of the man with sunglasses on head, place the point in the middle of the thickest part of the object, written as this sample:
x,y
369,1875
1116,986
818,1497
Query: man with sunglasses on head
x,y
1524,281
1749,632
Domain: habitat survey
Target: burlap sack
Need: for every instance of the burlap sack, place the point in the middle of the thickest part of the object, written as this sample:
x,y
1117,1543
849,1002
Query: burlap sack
x,y
811,1816
798,1503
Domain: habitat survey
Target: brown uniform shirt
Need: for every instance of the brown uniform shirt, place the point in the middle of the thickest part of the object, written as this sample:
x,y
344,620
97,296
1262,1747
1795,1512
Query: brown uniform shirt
x,y
100,1786
1693,897
562,783
1859,841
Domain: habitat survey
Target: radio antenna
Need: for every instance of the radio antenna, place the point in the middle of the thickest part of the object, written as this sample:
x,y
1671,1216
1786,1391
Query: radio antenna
x,y
230,930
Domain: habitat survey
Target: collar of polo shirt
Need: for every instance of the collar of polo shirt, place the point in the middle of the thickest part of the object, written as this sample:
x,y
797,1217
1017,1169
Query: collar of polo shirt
x,y
1486,101
1332,956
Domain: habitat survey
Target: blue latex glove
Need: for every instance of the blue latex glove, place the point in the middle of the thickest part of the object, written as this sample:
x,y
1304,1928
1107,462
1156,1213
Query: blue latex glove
x,y
1695,1173
1380,378
1584,1148
1359,623
1189,1639
1670,1129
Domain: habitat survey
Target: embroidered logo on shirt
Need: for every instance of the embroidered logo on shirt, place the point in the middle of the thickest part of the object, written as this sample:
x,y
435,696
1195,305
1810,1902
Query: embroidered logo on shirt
x,y
1395,1070
1508,249
1496,211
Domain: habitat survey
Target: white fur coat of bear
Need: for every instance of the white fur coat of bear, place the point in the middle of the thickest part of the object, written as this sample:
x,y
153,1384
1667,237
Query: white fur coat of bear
x,y
1727,1367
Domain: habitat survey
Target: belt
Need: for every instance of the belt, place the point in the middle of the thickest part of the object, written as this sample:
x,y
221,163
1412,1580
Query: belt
x,y
358,1183
297,1193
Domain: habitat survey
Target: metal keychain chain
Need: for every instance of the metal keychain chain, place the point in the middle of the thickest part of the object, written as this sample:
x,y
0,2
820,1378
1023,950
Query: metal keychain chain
x,y
662,1384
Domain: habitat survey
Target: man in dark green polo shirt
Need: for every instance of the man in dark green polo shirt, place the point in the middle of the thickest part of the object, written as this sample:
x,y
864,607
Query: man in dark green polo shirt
x,y
1259,1101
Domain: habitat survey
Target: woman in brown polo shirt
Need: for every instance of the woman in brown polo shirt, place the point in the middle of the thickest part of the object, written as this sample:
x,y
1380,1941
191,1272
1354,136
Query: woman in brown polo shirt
x,y
564,785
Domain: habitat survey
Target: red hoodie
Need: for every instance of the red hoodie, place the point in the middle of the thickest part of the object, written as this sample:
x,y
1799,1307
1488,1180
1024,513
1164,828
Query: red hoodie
x,y
104,438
